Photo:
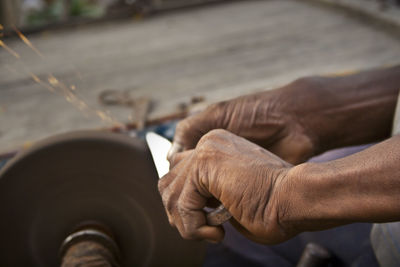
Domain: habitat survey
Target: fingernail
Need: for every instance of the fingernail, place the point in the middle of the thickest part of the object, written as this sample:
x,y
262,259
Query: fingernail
x,y
175,148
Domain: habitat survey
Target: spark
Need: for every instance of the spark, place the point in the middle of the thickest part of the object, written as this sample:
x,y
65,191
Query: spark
x,y
37,80
57,87
9,50
53,80
102,115
27,42
71,97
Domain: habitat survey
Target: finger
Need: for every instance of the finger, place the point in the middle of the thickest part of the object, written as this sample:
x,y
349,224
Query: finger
x,y
192,225
165,181
212,234
167,198
193,218
189,131
175,148
170,187
178,157
179,167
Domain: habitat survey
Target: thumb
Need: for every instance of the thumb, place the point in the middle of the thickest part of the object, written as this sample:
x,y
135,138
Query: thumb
x,y
188,132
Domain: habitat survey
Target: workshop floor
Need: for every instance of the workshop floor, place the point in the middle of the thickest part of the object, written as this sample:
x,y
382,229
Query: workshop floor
x,y
217,51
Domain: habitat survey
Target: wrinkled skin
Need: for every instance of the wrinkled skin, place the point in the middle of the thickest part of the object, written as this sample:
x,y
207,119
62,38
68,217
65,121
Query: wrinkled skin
x,y
255,179
268,119
239,153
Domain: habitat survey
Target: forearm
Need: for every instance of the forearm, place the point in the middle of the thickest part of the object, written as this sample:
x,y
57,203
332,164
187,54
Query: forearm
x,y
350,110
364,187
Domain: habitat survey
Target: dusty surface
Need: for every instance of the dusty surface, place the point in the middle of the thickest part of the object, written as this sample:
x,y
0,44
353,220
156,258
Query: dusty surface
x,y
382,10
217,51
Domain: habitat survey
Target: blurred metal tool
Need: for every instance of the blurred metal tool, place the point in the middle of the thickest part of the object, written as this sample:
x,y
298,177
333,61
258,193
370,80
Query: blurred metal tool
x,y
87,199
314,255
159,147
140,105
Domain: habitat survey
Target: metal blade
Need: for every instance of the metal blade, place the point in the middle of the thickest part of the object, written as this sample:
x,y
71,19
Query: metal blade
x,y
159,147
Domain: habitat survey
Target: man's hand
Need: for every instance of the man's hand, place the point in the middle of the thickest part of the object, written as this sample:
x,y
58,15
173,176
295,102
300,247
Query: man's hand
x,y
305,117
247,179
268,119
272,201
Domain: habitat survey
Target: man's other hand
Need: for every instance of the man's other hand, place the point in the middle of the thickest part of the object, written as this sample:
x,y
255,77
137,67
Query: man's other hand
x,y
306,117
250,182
269,119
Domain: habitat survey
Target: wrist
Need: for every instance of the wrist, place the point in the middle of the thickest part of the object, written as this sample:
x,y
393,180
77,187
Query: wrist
x,y
362,187
314,198
341,111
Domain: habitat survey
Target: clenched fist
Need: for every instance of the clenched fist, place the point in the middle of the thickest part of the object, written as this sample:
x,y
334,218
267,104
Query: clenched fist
x,y
250,182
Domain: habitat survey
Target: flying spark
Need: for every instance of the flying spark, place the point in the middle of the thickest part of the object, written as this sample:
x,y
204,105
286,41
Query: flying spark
x,y
9,50
27,42
37,80
53,80
58,87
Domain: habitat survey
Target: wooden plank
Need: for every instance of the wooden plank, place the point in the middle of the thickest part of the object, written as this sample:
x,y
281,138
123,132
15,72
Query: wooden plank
x,y
218,51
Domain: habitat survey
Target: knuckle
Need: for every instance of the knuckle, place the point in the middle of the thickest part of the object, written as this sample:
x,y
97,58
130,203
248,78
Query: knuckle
x,y
211,136
182,127
171,223
218,113
162,184
166,199
218,132
308,82
172,160
169,207
217,106
302,82
189,131
182,210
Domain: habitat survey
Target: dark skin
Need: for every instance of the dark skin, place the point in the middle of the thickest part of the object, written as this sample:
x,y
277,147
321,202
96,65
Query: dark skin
x,y
241,152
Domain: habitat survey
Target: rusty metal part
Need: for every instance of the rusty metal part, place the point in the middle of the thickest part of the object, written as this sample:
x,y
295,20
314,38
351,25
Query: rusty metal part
x,y
140,106
46,191
218,216
94,233
141,110
89,254
89,247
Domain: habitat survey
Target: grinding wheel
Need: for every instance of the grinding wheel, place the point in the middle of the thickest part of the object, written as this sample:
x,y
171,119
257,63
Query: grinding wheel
x,y
63,181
